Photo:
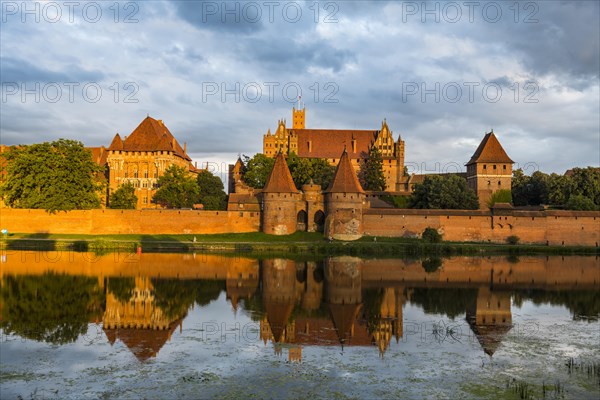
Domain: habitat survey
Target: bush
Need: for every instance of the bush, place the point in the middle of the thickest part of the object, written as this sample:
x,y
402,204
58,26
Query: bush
x,y
512,239
580,203
431,235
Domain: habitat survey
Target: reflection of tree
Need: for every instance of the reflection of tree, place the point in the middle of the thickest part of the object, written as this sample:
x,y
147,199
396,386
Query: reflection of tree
x,y
50,308
451,302
121,287
583,304
175,296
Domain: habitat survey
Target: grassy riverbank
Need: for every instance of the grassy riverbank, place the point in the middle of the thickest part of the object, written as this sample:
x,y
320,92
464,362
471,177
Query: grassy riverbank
x,y
301,244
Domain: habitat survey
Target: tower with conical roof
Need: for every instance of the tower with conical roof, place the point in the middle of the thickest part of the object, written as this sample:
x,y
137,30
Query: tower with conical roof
x,y
280,200
489,169
344,199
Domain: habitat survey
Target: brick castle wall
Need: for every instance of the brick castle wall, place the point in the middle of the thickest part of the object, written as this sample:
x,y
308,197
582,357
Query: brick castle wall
x,y
545,227
129,221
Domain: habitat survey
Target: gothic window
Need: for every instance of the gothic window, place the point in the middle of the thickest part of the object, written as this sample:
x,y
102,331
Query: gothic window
x,y
135,174
126,174
145,200
146,174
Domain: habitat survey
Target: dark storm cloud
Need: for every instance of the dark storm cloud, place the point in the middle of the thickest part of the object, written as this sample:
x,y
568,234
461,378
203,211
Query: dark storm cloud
x,y
17,70
223,17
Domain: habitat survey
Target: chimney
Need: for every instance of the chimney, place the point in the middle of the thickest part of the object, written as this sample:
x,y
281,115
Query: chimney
x,y
184,147
196,164
173,143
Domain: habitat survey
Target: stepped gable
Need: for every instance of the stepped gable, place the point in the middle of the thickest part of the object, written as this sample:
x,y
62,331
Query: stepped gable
x,y
328,143
491,151
345,180
151,135
280,180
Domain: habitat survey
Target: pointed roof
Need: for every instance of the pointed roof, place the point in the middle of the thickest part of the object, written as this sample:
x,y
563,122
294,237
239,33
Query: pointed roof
x,y
150,135
280,180
117,143
490,150
490,336
345,180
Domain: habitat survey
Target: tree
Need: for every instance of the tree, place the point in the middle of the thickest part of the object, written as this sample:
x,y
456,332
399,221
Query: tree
x,y
124,198
500,196
177,189
212,195
586,182
56,176
581,203
444,192
305,170
258,169
371,174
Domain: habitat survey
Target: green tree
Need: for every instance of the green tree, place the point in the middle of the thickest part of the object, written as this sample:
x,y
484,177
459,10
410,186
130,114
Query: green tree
x,y
444,192
371,174
258,169
124,198
581,203
560,188
586,182
177,189
56,176
500,196
305,170
530,190
212,194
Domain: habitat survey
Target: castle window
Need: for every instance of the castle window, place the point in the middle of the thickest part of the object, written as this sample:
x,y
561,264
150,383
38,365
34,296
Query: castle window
x,y
145,200
504,167
494,167
484,166
135,174
146,174
499,183
126,174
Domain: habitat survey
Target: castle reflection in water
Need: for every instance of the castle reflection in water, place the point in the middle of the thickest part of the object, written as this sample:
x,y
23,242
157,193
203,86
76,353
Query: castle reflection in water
x,y
341,301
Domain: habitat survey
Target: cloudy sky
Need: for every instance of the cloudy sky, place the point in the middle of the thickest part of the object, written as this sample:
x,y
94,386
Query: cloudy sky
x,y
221,73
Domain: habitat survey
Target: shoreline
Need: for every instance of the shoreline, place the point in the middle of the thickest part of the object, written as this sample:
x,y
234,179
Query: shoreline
x,y
259,244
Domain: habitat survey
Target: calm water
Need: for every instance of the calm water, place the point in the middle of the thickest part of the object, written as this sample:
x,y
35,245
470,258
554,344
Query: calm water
x,y
76,325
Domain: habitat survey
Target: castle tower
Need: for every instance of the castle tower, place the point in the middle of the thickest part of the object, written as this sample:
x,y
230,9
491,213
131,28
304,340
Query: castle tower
x,y
489,169
235,174
299,118
280,199
344,200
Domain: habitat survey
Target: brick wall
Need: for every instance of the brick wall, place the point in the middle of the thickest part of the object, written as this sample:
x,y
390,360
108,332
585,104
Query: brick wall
x,y
545,227
129,221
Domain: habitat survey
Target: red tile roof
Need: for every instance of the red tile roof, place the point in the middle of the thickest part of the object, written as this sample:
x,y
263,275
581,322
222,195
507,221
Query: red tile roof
x,y
150,135
345,180
280,180
329,143
490,150
99,154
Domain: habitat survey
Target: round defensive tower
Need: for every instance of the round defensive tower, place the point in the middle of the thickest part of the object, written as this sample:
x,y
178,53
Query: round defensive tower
x,y
280,200
344,201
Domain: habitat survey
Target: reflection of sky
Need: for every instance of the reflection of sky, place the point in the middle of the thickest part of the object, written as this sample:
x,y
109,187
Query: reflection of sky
x,y
199,361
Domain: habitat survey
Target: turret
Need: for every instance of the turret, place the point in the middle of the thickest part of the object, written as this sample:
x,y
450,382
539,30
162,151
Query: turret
x,y
344,199
489,169
280,199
